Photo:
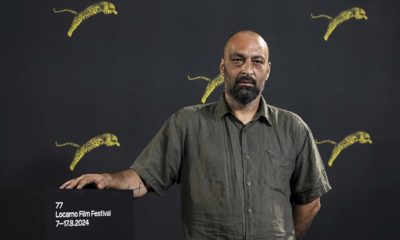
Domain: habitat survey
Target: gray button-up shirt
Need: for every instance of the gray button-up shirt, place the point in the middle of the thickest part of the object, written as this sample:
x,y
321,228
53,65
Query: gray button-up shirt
x,y
237,181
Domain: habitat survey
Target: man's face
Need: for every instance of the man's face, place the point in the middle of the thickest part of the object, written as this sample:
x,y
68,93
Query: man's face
x,y
245,67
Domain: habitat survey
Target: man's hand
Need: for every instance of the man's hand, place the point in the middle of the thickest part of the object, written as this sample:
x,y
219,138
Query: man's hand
x,y
303,215
127,179
101,181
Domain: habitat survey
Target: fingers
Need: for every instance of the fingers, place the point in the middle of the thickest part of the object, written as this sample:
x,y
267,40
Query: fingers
x,y
85,180
82,181
71,183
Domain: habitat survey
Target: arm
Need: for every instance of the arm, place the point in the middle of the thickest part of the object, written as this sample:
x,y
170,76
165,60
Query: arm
x,y
126,179
303,214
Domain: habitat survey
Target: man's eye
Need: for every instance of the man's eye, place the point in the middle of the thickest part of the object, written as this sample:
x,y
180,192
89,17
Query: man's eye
x,y
237,61
258,62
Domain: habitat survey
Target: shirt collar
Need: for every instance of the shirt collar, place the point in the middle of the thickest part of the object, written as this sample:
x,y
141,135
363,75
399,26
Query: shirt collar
x,y
223,109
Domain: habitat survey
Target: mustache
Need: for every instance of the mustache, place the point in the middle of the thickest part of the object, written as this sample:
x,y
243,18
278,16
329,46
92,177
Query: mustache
x,y
246,79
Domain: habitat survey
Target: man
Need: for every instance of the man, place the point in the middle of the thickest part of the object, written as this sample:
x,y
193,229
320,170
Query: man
x,y
247,170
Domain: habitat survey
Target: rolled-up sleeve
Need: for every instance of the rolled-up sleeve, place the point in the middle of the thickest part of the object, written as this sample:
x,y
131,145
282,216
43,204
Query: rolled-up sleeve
x,y
159,163
309,180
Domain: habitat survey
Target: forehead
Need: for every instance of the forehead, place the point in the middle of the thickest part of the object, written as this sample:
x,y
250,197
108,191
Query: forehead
x,y
246,44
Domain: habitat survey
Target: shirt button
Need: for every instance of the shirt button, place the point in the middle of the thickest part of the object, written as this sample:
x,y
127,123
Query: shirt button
x,y
247,157
248,183
250,210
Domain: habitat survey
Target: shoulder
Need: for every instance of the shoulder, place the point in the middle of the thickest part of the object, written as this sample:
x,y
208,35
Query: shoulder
x,y
279,114
193,112
286,119
291,126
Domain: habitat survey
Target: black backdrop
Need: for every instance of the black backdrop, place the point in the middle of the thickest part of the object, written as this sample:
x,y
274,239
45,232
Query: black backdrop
x,y
126,73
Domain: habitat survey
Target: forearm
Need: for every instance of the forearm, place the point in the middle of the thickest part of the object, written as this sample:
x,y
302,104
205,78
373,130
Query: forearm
x,y
127,179
303,214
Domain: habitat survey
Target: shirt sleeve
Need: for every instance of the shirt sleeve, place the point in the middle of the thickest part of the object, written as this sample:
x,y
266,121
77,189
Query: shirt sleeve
x,y
309,180
159,163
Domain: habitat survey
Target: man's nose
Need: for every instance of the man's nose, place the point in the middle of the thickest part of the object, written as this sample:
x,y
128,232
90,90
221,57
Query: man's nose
x,y
247,69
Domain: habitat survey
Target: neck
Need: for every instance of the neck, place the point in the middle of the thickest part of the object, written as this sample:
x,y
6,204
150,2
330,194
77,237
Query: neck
x,y
245,113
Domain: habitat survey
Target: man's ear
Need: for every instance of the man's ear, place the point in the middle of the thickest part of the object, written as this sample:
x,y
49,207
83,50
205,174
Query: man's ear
x,y
269,70
222,67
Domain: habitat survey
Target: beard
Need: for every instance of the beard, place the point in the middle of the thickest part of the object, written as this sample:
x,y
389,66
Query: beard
x,y
244,94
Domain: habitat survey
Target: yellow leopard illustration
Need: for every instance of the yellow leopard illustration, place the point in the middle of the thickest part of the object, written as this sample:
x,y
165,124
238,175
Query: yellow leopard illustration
x,y
104,139
100,7
355,12
360,137
211,86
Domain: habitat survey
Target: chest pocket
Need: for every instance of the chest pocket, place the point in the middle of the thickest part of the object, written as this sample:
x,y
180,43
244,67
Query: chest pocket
x,y
279,171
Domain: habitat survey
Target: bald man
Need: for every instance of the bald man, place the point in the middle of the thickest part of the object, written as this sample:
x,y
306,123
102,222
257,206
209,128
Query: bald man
x,y
247,170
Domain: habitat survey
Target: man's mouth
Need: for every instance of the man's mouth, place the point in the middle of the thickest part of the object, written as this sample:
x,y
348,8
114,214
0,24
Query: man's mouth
x,y
246,84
